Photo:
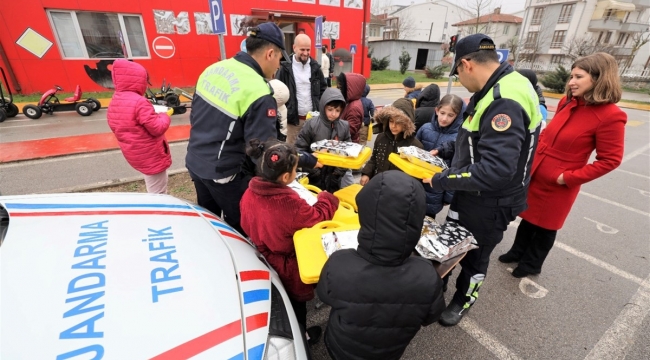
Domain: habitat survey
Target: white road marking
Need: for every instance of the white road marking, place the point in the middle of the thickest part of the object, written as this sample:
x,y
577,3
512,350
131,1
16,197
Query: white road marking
x,y
71,157
645,193
611,268
614,344
635,153
526,282
615,203
603,227
632,173
488,341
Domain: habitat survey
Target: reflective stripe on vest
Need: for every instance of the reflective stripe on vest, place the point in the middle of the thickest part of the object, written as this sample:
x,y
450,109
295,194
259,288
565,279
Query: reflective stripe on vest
x,y
510,88
231,87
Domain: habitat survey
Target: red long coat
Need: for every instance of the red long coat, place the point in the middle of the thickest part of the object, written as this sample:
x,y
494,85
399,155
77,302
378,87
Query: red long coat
x,y
564,148
270,215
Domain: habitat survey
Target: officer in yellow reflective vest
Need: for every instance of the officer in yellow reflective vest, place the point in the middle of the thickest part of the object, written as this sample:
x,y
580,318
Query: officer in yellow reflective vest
x,y
233,104
492,158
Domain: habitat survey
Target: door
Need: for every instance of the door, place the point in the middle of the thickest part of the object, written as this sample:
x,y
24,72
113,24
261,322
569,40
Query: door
x,y
421,59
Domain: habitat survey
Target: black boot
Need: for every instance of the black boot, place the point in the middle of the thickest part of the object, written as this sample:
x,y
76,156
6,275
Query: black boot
x,y
519,273
452,315
314,334
509,257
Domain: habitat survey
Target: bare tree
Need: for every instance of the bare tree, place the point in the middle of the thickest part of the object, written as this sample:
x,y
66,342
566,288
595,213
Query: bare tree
x,y
476,9
512,44
377,6
537,38
638,40
581,46
405,26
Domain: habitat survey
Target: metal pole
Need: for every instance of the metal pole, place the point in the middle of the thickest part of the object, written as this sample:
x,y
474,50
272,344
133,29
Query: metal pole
x,y
222,47
520,36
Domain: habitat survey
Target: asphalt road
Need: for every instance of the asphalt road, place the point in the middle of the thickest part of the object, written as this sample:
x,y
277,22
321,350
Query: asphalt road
x,y
591,301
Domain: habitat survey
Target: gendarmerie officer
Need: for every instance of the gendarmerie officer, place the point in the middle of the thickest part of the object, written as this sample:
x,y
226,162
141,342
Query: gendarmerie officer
x,y
492,158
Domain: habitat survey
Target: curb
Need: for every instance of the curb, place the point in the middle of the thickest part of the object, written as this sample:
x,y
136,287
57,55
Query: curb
x,y
400,86
104,101
104,184
621,103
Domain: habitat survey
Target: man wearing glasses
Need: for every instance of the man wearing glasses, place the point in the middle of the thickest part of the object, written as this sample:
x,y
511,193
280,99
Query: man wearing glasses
x,y
492,158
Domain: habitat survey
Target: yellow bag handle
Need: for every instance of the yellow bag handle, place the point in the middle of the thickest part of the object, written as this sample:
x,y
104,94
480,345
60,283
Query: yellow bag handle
x,y
312,188
346,205
328,225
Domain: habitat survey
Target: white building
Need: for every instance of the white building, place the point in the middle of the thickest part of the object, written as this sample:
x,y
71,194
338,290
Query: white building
x,y
500,27
424,22
553,27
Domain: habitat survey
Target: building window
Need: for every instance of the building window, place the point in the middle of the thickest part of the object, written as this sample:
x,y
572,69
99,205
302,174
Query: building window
x,y
506,28
626,39
531,40
566,13
558,39
98,35
608,36
537,16
557,59
610,14
621,39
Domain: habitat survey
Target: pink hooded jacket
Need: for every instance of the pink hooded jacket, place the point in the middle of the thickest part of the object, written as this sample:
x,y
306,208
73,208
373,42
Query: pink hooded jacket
x,y
138,129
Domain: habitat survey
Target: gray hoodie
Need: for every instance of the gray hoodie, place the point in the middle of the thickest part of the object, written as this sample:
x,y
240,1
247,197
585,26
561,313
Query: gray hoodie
x,y
320,128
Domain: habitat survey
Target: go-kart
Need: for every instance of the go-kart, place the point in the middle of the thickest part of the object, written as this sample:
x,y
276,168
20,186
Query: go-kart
x,y
49,103
166,97
7,107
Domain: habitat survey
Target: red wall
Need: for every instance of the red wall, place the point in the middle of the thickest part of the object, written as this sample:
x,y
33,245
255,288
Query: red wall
x,y
193,52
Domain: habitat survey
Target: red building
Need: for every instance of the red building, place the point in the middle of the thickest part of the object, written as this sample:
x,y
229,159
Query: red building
x,y
70,42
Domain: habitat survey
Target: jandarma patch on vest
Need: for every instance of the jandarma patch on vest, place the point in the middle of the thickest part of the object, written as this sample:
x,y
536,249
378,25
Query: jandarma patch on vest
x,y
271,113
501,122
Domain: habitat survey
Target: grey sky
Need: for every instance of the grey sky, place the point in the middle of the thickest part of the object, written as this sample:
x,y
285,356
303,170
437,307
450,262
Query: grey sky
x,y
507,6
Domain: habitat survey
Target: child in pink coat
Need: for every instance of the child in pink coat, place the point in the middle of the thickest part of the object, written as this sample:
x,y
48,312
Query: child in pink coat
x,y
138,129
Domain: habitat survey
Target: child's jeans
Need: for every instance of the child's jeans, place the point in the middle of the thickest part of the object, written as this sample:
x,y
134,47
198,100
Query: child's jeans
x,y
347,179
157,183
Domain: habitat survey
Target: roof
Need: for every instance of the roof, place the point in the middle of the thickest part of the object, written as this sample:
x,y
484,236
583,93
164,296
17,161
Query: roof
x,y
491,18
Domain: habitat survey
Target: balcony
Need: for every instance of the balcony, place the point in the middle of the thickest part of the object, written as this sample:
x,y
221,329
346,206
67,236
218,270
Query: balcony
x,y
622,51
604,24
634,27
639,3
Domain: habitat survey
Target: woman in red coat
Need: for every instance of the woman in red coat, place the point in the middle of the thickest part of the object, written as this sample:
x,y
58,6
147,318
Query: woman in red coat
x,y
587,119
271,212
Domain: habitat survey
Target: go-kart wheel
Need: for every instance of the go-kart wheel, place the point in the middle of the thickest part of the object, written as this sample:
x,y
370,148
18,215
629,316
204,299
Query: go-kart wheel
x,y
12,110
172,100
3,115
180,110
84,108
32,111
95,103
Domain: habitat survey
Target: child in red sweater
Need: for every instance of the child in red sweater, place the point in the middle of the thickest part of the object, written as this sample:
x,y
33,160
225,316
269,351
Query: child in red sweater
x,y
271,213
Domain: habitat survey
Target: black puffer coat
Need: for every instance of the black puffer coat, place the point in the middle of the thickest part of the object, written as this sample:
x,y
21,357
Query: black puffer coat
x,y
380,294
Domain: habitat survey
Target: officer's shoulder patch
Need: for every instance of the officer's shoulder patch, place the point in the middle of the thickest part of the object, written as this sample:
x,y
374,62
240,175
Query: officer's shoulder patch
x,y
271,113
501,122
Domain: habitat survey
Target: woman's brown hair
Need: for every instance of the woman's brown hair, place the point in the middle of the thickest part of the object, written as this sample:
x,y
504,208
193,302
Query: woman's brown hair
x,y
604,71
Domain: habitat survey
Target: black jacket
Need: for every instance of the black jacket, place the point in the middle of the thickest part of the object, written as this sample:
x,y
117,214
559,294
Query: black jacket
x,y
380,294
217,146
494,163
425,105
318,86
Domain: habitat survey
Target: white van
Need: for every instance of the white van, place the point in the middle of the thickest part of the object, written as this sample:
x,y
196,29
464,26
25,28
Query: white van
x,y
135,276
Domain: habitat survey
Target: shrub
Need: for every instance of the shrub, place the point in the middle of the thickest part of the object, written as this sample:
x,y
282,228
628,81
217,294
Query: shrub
x,y
380,64
404,61
435,72
556,80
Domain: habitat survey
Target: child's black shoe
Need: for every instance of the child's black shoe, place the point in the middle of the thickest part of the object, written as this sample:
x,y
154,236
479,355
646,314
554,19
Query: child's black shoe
x,y
313,335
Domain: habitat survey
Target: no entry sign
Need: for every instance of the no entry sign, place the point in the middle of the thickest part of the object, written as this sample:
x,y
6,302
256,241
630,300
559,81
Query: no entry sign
x,y
163,47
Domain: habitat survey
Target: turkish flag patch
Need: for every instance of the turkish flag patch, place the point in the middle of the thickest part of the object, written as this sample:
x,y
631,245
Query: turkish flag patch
x,y
271,113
